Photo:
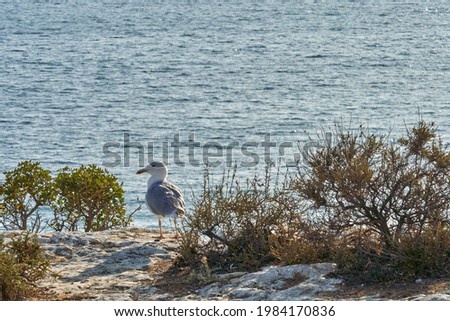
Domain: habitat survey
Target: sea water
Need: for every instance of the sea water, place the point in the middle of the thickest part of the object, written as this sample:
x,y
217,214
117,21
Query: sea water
x,y
246,83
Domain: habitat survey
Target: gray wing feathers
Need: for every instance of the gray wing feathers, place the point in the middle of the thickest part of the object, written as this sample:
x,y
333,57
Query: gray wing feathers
x,y
165,199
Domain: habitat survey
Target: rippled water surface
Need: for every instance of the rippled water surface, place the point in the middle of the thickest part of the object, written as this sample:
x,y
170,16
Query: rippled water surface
x,y
87,82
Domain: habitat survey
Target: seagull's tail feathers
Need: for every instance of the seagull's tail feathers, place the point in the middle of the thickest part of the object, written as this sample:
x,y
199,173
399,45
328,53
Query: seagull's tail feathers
x,y
181,213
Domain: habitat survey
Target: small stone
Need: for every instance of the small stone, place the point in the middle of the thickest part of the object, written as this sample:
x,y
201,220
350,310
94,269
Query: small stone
x,y
418,281
63,250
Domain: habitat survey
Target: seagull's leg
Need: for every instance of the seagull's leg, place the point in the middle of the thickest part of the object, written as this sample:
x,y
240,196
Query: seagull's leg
x,y
160,228
176,229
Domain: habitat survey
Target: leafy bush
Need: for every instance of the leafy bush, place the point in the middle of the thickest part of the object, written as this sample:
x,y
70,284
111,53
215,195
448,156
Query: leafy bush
x,y
384,199
233,226
22,264
25,190
90,196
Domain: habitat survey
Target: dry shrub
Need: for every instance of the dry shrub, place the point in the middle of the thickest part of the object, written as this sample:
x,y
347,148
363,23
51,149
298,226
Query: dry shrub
x,y
303,243
364,258
377,207
388,200
22,264
360,257
233,225
426,254
365,180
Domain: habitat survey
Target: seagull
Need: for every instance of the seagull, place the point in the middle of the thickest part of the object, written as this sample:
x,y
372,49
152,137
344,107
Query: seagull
x,y
162,198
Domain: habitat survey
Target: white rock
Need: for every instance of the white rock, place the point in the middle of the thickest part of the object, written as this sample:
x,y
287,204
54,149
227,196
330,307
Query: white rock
x,y
113,265
295,282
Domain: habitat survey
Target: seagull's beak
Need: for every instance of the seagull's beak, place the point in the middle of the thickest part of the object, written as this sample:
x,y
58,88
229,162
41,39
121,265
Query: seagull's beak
x,y
142,170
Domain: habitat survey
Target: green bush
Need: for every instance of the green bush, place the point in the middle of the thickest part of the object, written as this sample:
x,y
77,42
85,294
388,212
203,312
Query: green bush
x,y
90,196
22,264
87,195
25,190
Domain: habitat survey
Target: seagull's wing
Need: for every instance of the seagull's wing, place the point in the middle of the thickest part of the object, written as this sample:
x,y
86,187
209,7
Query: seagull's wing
x,y
165,199
177,194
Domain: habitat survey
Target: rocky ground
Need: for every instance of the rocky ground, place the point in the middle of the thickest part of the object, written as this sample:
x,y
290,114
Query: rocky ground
x,y
131,264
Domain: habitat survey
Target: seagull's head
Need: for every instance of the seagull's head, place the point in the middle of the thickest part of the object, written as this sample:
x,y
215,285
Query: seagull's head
x,y
155,168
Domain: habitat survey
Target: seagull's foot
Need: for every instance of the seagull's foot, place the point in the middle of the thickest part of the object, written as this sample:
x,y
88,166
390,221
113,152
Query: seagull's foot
x,y
160,238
